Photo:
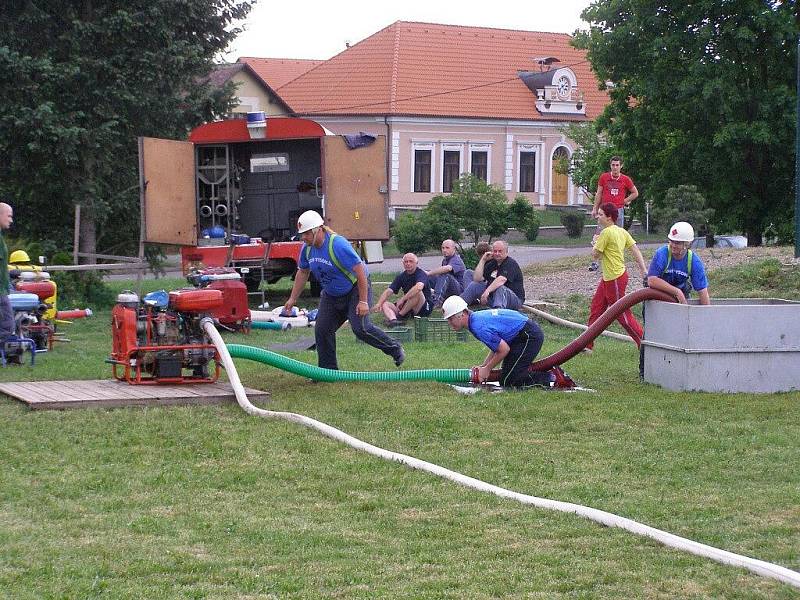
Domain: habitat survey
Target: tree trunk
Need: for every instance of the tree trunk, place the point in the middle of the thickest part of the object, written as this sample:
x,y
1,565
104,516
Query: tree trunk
x,y
88,233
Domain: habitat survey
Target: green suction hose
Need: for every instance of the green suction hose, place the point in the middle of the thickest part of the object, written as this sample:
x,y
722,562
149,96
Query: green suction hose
x,y
329,375
269,325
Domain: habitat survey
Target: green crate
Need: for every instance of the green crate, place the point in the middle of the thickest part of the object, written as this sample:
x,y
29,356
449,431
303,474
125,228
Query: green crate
x,y
401,334
437,330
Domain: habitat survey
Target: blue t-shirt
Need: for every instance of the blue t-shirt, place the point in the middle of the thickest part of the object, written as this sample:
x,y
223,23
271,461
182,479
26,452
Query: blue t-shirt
x,y
405,281
495,324
677,273
332,280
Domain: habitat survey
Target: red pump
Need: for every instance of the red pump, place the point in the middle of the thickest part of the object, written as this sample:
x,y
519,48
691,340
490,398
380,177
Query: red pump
x,y
161,340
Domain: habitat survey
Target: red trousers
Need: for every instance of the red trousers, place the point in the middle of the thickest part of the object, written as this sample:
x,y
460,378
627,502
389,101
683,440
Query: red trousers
x,y
607,293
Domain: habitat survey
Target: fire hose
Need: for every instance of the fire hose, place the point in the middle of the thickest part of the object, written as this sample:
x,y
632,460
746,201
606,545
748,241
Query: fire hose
x,y
759,567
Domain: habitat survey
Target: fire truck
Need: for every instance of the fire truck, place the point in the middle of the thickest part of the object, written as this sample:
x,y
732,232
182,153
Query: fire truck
x,y
230,195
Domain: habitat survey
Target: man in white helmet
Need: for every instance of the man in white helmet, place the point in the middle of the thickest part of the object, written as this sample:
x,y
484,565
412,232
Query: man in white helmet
x,y
346,291
677,270
512,338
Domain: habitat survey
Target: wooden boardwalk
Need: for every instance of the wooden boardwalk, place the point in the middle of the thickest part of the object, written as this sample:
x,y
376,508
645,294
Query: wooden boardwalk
x,y
109,393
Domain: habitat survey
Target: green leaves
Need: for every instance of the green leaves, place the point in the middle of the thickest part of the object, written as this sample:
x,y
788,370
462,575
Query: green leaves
x,y
81,81
704,92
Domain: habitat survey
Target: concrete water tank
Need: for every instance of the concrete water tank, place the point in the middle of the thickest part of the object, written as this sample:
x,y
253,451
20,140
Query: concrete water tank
x,y
734,345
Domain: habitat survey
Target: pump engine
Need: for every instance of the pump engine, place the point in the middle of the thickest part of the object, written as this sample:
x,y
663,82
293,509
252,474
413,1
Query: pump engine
x,y
161,339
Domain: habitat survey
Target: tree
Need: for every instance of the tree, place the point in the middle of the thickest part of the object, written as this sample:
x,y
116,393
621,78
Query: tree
x,y
475,206
683,203
703,94
81,81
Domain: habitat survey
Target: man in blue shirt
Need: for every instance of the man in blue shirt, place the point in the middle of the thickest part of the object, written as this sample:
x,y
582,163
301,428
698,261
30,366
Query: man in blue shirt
x,y
677,270
416,298
511,337
346,291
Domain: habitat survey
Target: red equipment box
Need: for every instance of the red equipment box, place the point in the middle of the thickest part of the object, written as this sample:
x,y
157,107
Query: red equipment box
x,y
234,311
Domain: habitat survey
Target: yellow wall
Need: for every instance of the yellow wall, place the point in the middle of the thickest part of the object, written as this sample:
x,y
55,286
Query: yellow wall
x,y
253,97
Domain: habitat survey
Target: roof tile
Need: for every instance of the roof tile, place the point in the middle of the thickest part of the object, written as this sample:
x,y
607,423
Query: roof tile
x,y
426,69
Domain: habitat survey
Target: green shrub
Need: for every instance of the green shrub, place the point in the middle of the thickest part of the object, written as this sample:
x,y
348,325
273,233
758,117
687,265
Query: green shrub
x,y
573,222
470,257
80,289
532,228
410,235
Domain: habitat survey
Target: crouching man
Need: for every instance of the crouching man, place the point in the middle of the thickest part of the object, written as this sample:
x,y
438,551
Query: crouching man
x,y
416,299
512,338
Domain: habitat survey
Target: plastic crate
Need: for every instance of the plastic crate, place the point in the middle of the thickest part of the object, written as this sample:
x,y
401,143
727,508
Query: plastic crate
x,y
437,330
401,334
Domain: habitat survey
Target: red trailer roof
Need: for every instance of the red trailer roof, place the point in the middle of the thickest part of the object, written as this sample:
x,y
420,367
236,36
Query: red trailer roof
x,y
235,130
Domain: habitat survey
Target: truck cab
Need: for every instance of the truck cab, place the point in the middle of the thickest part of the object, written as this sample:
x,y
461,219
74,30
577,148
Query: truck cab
x,y
230,195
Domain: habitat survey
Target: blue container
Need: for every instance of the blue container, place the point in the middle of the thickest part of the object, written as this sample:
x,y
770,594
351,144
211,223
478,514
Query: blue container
x,y
24,301
256,119
216,232
239,238
158,299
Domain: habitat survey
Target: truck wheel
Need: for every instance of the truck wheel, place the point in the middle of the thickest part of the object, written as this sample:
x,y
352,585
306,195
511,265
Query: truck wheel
x,y
252,282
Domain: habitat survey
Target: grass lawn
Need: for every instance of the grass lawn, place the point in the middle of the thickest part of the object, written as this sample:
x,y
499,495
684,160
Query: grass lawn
x,y
212,503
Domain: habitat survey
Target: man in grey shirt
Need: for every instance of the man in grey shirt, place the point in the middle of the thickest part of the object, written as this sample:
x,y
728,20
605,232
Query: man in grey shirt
x,y
447,280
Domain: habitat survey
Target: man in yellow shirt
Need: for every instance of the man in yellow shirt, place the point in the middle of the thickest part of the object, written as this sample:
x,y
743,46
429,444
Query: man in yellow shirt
x,y
609,248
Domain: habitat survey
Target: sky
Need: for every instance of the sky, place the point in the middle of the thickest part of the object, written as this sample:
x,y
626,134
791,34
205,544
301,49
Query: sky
x,y
320,28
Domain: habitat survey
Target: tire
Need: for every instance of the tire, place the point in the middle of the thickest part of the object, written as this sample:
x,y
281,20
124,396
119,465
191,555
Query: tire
x,y
252,282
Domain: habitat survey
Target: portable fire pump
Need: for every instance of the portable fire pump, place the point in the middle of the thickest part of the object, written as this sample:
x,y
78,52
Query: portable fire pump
x,y
33,305
161,339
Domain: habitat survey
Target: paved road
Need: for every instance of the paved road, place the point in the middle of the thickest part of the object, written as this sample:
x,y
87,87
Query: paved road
x,y
524,255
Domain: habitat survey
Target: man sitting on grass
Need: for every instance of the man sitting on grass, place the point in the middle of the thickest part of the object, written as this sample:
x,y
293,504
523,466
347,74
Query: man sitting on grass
x,y
416,299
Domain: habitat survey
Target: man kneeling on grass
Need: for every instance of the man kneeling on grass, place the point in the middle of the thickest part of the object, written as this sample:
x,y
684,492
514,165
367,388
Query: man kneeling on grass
x,y
416,299
512,338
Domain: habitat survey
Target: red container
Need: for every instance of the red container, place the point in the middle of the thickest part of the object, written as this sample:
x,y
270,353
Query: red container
x,y
43,289
197,301
234,310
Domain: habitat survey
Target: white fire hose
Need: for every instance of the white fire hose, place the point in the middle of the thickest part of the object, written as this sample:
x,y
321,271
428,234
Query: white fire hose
x,y
572,324
759,567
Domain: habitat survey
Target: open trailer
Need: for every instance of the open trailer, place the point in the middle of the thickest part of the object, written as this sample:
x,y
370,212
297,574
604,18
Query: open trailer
x,y
230,195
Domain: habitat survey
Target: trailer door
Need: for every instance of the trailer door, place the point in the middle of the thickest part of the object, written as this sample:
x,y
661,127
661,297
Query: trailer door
x,y
167,189
355,188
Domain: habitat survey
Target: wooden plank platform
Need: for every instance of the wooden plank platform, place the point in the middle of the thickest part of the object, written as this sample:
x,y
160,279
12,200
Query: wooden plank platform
x,y
109,393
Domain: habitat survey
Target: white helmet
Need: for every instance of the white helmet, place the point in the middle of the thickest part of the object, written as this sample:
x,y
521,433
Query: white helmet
x,y
452,306
309,220
681,232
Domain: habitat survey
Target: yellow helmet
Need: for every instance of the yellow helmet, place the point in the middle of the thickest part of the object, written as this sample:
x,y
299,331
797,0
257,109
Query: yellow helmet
x,y
19,256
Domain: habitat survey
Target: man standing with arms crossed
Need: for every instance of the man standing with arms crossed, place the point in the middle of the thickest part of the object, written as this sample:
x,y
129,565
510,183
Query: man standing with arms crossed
x,y
616,188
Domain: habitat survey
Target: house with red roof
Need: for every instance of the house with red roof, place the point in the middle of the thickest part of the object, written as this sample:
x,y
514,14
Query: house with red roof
x,y
451,100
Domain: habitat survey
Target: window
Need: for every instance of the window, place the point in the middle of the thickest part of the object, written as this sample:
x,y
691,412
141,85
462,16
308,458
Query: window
x,y
527,171
479,164
422,170
451,169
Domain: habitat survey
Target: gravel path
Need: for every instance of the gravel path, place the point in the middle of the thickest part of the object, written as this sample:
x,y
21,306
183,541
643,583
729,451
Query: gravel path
x,y
556,286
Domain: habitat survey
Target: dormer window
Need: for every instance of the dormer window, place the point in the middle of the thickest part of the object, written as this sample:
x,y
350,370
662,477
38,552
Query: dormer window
x,y
556,91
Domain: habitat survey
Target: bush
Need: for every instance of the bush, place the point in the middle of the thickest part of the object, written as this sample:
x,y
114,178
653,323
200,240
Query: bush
x,y
80,289
410,235
470,257
573,222
532,228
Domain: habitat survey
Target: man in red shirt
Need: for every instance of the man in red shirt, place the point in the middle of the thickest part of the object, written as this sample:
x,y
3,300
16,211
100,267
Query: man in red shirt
x,y
616,188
